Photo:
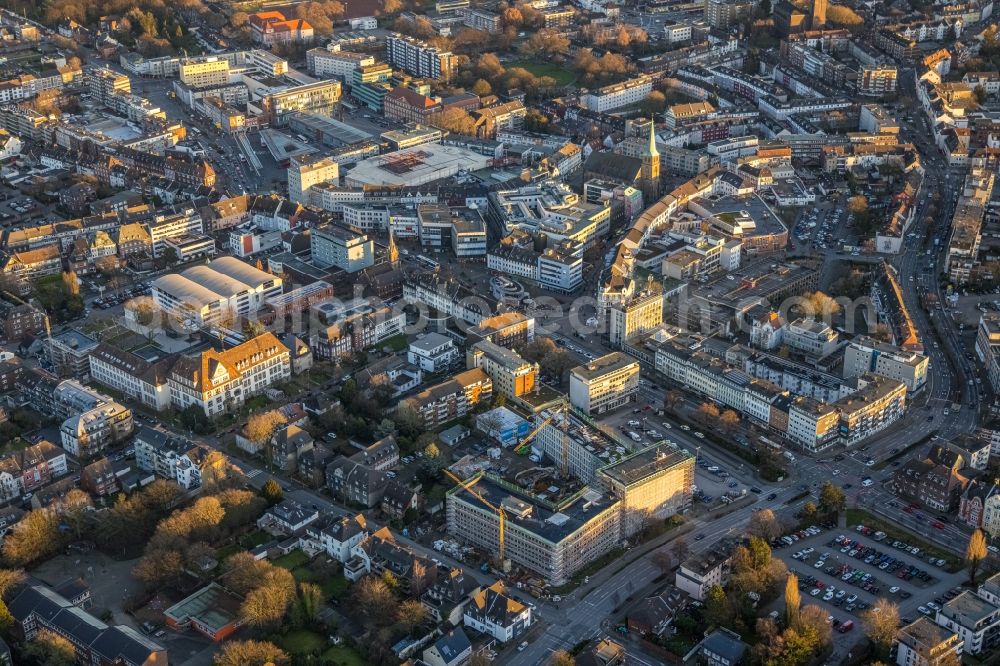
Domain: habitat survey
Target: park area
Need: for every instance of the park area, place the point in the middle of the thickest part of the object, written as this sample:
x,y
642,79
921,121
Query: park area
x,y
562,75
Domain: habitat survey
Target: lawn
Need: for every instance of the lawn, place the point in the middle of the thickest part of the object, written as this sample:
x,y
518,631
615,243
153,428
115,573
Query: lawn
x,y
343,656
335,587
563,76
395,343
293,560
303,641
254,539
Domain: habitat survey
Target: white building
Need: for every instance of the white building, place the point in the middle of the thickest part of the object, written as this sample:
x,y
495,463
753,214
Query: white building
x,y
975,620
433,352
617,95
492,612
131,375
224,289
810,337
865,354
604,384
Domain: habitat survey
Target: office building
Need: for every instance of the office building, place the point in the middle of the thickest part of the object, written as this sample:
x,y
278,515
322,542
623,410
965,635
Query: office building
x,y
554,539
604,384
865,354
320,97
643,312
307,171
651,485
332,245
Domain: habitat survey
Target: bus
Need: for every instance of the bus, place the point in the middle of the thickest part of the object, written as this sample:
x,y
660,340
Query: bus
x,y
427,261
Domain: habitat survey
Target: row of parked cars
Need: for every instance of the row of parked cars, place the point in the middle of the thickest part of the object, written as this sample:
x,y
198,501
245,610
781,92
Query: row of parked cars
x,y
791,538
900,545
883,561
831,595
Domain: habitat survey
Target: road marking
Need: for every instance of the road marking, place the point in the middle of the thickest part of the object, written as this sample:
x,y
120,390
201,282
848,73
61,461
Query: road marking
x,y
253,473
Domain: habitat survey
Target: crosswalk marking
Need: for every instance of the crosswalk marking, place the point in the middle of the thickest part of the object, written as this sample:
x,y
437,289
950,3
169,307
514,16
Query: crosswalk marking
x,y
254,472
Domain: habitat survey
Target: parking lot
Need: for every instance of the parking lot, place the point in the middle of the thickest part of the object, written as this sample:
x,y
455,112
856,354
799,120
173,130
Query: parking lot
x,y
845,571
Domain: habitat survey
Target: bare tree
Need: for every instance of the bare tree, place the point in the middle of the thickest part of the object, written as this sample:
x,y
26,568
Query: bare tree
x,y
764,524
881,623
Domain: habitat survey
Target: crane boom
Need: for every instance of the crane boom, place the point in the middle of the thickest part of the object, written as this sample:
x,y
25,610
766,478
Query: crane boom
x,y
501,514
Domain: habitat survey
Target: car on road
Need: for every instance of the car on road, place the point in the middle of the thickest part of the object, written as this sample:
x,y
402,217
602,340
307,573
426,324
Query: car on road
x,y
699,537
772,496
755,489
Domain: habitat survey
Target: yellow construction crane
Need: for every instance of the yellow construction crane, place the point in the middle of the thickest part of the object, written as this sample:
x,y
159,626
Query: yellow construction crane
x,y
564,463
501,514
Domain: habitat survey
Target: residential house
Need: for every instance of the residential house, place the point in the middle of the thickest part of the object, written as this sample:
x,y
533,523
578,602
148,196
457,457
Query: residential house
x,y
338,536
935,481
492,612
452,649
398,498
700,572
99,478
724,648
604,652
288,517
975,620
287,446
447,597
654,614
380,553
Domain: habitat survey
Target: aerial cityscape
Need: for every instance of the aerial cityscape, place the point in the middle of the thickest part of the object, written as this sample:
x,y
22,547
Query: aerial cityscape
x,y
529,332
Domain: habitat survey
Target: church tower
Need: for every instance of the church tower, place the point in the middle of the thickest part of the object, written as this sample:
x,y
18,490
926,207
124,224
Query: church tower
x,y
650,173
393,253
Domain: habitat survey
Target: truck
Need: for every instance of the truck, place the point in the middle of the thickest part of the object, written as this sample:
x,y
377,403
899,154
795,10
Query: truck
x,y
788,454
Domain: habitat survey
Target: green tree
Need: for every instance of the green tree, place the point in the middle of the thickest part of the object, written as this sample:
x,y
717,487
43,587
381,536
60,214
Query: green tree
x,y
271,491
307,605
717,609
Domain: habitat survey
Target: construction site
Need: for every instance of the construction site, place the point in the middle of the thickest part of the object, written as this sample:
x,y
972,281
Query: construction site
x,y
563,495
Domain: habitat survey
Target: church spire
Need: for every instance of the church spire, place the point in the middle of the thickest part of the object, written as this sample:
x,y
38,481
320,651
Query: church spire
x,y
393,250
651,151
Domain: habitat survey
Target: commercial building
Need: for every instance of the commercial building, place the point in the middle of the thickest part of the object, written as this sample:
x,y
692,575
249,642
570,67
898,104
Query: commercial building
x,y
723,14
204,72
876,406
988,347
68,352
508,330
306,171
415,166
604,384
337,246
212,611
512,375
218,382
320,97
224,289
865,354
